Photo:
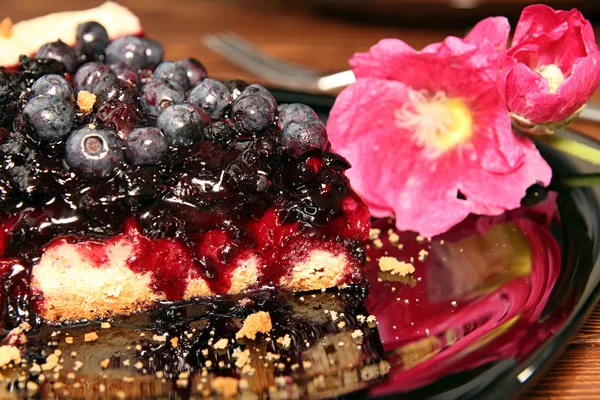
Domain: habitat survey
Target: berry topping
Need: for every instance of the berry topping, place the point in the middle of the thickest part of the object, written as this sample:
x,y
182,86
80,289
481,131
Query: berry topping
x,y
91,40
211,96
125,73
60,52
172,71
128,49
219,132
258,90
194,69
94,152
236,87
295,112
182,125
159,94
116,89
4,90
91,74
302,137
49,117
252,114
145,146
54,85
118,115
154,53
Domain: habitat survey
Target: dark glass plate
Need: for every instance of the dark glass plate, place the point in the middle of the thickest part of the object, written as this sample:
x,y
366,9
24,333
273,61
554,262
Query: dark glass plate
x,y
495,300
489,306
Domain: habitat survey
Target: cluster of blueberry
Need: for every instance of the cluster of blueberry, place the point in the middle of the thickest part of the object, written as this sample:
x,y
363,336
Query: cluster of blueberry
x,y
144,107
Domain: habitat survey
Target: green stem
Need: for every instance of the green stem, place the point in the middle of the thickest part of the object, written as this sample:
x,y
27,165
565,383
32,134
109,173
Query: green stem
x,y
581,180
576,149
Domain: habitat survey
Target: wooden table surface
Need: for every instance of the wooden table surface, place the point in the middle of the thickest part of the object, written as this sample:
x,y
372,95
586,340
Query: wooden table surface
x,y
326,43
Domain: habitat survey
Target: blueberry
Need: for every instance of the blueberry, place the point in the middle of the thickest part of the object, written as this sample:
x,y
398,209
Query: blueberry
x,y
145,146
301,137
181,125
54,85
211,96
219,131
294,112
128,49
91,74
91,40
236,87
252,113
159,94
115,89
194,69
125,73
154,53
173,71
49,117
94,152
118,116
258,90
60,52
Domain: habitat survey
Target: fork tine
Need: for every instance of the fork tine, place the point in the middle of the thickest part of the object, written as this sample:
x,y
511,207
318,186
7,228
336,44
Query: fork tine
x,y
253,51
258,67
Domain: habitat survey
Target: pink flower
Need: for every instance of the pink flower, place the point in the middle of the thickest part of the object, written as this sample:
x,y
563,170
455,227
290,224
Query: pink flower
x,y
428,135
553,66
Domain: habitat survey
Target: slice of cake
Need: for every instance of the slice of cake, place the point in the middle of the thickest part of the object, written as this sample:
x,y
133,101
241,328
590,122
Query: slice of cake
x,y
128,180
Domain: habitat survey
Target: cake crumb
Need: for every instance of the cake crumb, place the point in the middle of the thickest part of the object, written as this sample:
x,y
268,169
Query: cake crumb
x,y
371,321
127,362
69,340
420,238
395,267
306,364
105,325
285,341
128,379
378,243
374,233
334,315
71,376
9,354
272,356
78,365
221,344
73,354
159,338
393,237
341,324
248,370
357,335
32,386
104,363
51,362
423,254
225,386
138,365
159,374
35,369
361,318
259,322
86,101
174,342
90,337
242,357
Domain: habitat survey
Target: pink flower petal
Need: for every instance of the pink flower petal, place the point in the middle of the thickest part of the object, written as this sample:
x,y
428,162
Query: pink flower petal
x,y
543,37
494,30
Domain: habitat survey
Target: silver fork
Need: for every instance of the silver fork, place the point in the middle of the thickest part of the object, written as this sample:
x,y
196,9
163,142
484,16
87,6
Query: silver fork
x,y
246,55
295,77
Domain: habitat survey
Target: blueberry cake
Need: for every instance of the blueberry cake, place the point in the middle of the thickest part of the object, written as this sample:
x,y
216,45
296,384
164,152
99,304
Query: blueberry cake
x,y
129,181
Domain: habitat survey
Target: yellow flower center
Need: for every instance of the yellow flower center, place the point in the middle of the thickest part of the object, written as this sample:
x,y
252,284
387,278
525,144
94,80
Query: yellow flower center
x,y
439,123
553,74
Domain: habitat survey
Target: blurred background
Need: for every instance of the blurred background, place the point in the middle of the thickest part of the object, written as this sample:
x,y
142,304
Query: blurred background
x,y
321,34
